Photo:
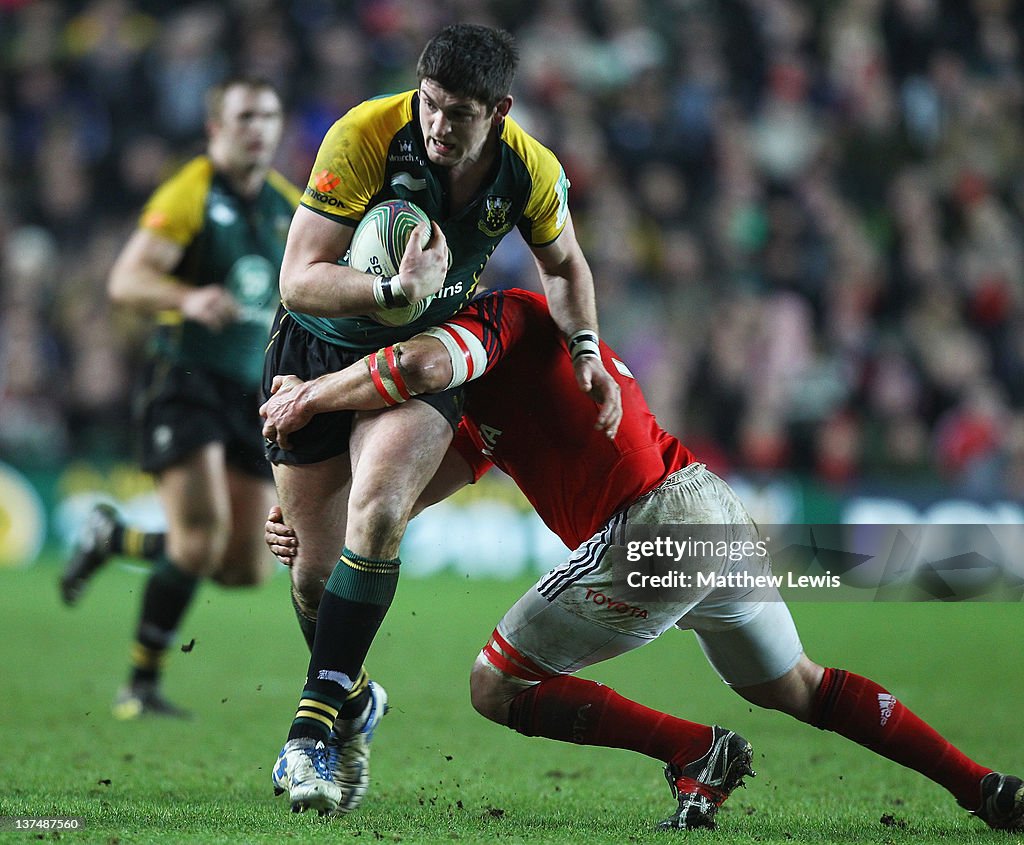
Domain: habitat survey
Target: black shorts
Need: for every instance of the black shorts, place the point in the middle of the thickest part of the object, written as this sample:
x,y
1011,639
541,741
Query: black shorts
x,y
179,410
295,351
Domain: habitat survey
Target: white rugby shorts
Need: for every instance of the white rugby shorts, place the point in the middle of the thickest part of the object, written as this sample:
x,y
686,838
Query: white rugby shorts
x,y
572,617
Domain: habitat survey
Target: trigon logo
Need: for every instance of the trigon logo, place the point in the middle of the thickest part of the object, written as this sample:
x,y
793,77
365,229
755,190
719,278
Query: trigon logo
x,y
327,181
886,704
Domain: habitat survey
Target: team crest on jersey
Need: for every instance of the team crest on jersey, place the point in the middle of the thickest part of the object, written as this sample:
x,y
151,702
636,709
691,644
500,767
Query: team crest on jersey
x,y
252,280
223,214
494,220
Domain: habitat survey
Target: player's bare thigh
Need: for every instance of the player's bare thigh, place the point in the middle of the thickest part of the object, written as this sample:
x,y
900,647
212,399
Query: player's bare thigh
x,y
395,453
314,499
195,497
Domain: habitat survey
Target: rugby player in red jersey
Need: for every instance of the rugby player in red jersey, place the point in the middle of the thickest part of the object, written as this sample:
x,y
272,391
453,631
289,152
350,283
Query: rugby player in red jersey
x,y
529,419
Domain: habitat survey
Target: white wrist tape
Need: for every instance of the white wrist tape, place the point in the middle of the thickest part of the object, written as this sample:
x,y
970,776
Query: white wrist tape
x,y
584,342
388,293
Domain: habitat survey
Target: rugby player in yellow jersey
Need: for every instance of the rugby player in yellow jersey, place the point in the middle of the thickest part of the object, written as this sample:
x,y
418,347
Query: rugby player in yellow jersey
x,y
204,263
348,481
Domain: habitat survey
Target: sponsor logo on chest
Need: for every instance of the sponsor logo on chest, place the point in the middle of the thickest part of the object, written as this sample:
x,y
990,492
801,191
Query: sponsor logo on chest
x,y
404,155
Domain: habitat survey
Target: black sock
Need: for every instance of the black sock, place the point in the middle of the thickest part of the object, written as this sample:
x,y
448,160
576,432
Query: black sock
x,y
358,595
168,594
355,704
307,624
132,542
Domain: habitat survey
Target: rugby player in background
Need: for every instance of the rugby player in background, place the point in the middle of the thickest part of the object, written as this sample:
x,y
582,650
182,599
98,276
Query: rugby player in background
x,y
589,489
204,262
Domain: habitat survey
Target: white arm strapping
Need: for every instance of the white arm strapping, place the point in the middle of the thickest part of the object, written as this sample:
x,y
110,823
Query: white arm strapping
x,y
466,352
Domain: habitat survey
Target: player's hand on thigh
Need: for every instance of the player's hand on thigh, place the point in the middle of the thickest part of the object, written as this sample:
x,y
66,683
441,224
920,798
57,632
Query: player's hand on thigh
x,y
279,537
286,410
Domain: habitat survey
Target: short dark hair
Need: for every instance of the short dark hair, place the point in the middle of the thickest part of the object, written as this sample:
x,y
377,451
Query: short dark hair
x,y
215,94
471,61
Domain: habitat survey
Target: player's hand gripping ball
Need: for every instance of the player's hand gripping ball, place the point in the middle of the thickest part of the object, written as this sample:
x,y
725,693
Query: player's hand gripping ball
x,y
378,245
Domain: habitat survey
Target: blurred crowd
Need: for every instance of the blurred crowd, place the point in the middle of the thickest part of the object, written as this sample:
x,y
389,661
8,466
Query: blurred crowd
x,y
804,217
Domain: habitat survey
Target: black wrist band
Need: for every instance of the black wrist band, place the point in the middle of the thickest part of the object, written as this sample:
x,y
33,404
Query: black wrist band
x,y
385,289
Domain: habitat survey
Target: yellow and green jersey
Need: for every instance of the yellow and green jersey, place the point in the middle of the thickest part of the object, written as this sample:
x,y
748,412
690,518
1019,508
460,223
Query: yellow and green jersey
x,y
375,152
231,241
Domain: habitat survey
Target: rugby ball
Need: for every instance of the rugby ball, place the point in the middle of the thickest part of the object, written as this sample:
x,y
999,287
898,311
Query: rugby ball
x,y
378,244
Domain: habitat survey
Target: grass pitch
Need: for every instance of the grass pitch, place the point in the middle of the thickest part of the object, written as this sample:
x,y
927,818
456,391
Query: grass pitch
x,y
440,772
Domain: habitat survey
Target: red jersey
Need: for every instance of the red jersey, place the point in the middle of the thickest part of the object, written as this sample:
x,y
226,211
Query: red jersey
x,y
529,418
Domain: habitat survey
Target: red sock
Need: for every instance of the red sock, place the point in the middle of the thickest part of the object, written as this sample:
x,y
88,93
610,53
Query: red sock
x,y
861,710
574,710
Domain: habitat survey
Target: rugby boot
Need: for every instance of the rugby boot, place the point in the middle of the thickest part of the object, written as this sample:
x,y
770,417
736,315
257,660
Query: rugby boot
x,y
348,749
143,698
92,550
702,786
303,771
1002,802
